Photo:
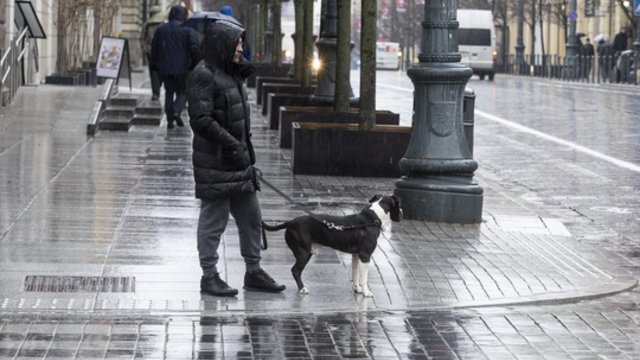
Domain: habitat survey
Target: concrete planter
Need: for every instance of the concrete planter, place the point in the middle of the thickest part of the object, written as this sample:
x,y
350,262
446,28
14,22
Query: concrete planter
x,y
67,79
261,80
267,70
291,114
275,101
342,150
280,88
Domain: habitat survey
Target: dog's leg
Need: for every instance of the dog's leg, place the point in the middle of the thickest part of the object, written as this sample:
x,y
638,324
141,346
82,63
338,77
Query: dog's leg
x,y
355,274
296,270
363,270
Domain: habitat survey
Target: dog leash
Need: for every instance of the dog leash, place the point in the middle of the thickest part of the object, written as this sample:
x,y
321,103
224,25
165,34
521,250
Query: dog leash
x,y
285,196
265,246
328,224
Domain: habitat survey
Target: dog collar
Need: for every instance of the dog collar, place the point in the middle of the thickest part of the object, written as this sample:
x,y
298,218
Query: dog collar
x,y
333,226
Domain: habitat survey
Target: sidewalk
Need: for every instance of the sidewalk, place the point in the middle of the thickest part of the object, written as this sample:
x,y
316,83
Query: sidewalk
x,y
138,216
119,208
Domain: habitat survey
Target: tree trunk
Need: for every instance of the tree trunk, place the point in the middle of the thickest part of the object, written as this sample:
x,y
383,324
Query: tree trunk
x,y
97,34
263,19
61,63
277,33
298,56
368,66
307,47
343,57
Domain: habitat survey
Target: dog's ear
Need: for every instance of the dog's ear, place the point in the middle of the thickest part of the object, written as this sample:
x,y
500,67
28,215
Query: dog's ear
x,y
375,198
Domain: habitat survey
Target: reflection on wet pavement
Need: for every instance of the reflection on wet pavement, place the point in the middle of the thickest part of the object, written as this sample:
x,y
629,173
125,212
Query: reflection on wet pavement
x,y
578,333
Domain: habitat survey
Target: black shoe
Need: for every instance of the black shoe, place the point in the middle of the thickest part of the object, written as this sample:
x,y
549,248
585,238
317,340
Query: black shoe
x,y
261,281
170,125
178,119
154,97
213,285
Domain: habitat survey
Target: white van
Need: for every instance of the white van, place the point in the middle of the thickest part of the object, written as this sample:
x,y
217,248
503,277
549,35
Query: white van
x,y
477,41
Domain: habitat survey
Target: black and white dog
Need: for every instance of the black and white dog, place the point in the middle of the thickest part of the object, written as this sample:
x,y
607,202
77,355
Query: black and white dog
x,y
355,234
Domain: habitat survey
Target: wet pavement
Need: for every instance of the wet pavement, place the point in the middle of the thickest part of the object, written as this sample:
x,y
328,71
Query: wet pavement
x,y
549,273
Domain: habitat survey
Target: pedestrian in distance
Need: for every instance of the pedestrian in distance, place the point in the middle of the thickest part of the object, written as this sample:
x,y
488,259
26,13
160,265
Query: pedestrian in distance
x,y
146,41
579,63
246,50
620,44
223,159
606,59
174,51
588,52
620,41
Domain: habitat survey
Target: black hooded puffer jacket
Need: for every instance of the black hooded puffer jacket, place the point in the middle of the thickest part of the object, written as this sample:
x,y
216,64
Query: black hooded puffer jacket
x,y
223,155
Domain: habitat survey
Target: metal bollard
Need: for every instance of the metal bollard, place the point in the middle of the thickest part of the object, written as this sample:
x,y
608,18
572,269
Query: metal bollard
x,y
468,105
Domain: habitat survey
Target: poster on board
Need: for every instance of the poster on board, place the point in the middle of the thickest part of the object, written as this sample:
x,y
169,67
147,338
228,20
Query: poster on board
x,y
110,56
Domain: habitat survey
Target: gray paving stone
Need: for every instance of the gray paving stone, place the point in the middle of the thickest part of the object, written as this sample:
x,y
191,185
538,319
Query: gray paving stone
x,y
121,204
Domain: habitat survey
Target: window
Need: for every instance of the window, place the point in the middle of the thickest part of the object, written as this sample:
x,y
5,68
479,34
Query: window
x,y
474,37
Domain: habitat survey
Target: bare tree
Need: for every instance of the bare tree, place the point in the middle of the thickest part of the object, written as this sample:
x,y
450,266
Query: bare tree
x,y
307,43
76,43
530,18
299,39
628,13
367,115
277,33
343,56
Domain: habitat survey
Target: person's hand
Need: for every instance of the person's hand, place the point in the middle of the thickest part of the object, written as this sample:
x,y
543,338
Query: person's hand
x,y
234,156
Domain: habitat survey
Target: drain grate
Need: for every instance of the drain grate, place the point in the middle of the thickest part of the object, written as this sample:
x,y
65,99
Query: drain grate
x,y
46,283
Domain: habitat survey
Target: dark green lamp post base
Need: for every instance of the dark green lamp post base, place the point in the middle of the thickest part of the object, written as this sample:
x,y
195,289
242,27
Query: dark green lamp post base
x,y
450,199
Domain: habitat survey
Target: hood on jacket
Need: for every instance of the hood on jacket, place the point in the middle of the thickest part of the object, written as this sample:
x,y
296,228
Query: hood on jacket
x,y
227,10
179,13
219,44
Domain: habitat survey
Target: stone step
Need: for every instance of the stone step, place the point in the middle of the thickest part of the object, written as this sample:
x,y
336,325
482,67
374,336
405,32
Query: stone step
x,y
115,123
141,119
119,111
149,110
124,100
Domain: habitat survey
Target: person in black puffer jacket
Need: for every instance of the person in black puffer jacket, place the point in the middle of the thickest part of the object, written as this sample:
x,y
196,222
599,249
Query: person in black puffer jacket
x,y
174,51
224,158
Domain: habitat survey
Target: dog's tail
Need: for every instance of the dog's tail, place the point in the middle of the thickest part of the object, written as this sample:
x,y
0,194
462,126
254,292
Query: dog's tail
x,y
275,227
270,228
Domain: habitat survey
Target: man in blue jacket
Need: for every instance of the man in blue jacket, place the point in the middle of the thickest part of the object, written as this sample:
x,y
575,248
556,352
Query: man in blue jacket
x,y
174,51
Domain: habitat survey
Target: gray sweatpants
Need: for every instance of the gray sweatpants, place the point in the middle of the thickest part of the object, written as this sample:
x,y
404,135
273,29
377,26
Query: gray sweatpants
x,y
214,215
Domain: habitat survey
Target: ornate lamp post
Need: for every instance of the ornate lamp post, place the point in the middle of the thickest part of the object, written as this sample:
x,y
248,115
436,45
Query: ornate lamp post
x,y
519,40
571,49
636,45
327,46
439,183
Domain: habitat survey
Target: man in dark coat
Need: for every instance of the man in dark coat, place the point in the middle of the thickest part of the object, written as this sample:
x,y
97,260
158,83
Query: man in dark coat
x,y
173,52
588,52
620,41
223,159
146,40
606,60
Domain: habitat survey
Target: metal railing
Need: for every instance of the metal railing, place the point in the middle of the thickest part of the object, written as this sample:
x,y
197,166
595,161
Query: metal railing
x,y
11,62
618,68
